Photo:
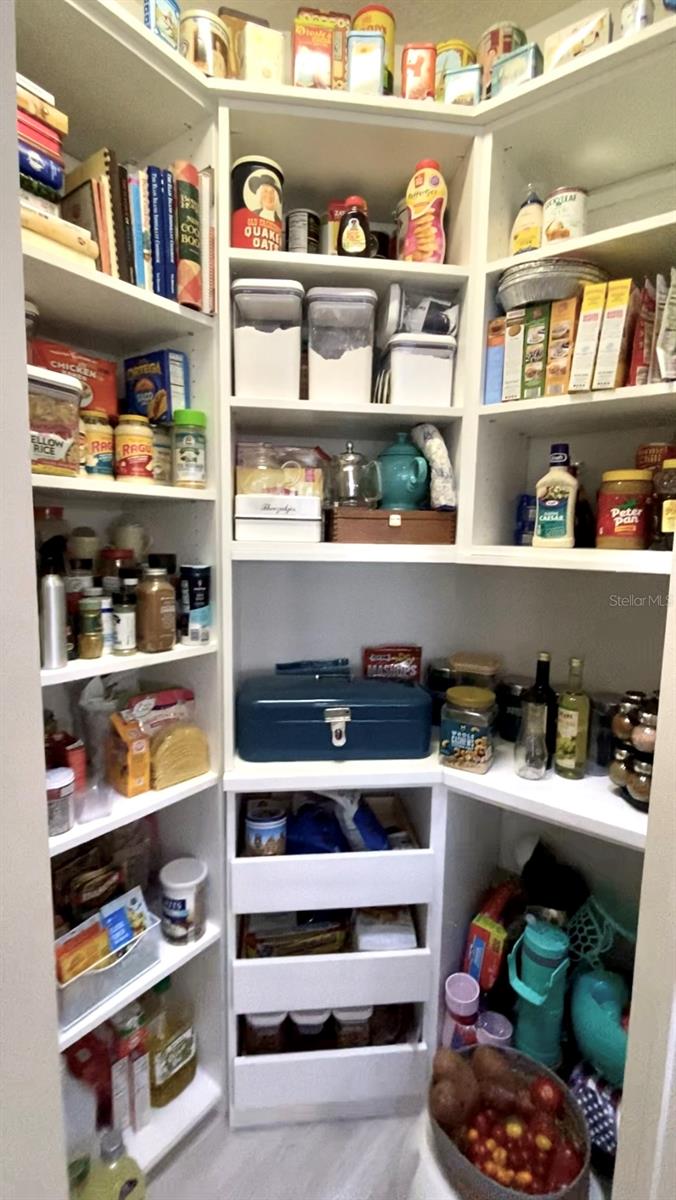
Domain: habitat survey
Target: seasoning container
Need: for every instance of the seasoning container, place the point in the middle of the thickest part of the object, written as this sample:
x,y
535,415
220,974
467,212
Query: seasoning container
x,y
619,768
162,453
418,67
509,695
309,1027
636,15
106,616
113,560
183,886
354,236
639,782
60,783
189,448
134,448
352,1027
452,55
195,614
124,622
205,42
565,214
467,721
623,510
155,612
98,442
644,734
365,62
264,1033
476,670
626,715
90,637
302,231
264,829
257,185
664,483
381,20
600,749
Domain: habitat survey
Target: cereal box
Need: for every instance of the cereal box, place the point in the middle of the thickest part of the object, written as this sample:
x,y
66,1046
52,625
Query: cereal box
x,y
515,324
495,360
312,49
157,384
562,327
97,375
587,337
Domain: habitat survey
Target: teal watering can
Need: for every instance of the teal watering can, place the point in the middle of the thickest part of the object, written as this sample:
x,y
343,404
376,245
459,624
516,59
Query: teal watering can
x,y
541,990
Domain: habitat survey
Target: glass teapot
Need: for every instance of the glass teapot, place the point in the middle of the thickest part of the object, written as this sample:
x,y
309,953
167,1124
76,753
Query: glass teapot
x,y
352,480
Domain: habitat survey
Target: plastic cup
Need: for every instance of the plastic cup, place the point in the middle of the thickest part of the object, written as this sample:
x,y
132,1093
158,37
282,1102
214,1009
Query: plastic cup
x,y
492,1029
462,994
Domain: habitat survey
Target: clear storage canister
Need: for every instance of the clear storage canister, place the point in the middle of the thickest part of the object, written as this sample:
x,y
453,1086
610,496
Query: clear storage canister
x,y
421,368
340,329
267,318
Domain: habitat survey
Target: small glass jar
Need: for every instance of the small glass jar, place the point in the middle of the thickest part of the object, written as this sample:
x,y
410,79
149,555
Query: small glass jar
x,y
162,453
189,448
124,622
620,767
264,1033
90,637
639,781
644,735
624,719
156,612
113,559
467,724
664,483
134,448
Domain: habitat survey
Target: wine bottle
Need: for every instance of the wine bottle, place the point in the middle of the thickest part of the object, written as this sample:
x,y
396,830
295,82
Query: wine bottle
x,y
572,726
542,693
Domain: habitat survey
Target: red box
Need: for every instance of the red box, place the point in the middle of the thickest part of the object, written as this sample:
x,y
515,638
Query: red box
x,y
98,375
392,662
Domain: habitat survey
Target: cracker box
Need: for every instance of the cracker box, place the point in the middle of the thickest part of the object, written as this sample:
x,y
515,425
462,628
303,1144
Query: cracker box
x,y
515,324
562,329
312,49
157,384
587,337
622,303
536,338
97,375
495,360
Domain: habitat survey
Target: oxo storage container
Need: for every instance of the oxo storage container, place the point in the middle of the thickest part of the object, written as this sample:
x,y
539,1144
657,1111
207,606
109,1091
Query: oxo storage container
x,y
340,328
331,719
422,368
267,315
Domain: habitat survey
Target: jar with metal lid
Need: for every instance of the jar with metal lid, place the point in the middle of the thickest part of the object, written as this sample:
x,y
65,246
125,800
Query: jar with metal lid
x,y
639,781
106,615
113,560
189,448
134,448
624,509
155,612
90,637
618,771
124,622
643,735
97,452
476,669
467,722
626,716
603,707
664,483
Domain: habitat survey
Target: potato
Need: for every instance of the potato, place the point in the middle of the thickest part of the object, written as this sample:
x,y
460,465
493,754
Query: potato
x,y
497,1096
447,1105
448,1064
491,1065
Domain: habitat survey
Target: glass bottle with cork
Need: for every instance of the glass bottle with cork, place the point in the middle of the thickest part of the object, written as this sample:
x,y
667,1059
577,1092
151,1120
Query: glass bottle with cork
x,y
572,726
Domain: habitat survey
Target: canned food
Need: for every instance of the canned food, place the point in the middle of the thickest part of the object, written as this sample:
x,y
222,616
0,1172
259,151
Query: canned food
x,y
418,63
302,231
451,56
497,40
257,184
565,214
379,19
134,448
651,455
97,450
205,42
365,62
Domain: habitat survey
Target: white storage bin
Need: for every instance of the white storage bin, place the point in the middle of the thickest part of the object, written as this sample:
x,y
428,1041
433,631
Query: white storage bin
x,y
267,316
270,518
340,356
81,995
421,369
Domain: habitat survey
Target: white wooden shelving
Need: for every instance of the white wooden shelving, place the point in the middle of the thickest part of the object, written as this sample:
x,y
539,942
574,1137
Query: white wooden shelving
x,y
637,248
268,417
117,489
331,980
621,562
315,269
589,411
109,664
168,1126
328,552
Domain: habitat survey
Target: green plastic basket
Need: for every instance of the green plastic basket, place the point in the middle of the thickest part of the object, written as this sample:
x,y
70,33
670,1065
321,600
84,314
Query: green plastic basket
x,y
602,930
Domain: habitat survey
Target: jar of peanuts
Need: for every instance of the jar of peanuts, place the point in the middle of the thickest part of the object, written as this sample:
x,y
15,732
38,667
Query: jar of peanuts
x,y
467,729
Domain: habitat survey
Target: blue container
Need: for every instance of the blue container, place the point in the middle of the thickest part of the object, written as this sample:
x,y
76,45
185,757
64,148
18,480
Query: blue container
x,y
541,953
296,718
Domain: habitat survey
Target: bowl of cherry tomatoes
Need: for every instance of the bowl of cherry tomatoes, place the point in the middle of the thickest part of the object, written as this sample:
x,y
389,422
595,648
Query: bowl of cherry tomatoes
x,y
505,1127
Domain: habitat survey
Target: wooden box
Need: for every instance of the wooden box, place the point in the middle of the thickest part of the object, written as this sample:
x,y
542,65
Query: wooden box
x,y
382,525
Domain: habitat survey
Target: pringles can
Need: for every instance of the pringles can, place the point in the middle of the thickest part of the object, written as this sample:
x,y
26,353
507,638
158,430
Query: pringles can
x,y
378,19
257,212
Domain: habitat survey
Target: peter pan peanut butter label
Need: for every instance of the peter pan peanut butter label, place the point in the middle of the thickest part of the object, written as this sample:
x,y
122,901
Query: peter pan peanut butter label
x,y
621,516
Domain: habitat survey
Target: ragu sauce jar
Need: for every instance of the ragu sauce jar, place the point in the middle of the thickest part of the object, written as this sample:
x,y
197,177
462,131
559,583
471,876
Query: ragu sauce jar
x,y
257,214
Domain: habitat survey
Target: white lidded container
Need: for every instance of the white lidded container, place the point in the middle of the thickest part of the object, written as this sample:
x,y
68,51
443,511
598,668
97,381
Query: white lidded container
x,y
267,316
422,367
341,325
183,899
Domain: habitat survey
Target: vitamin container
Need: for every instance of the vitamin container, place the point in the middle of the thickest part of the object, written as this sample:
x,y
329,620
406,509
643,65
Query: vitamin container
x,y
264,829
256,190
264,1033
422,368
183,884
353,1027
162,453
309,1027
365,62
623,510
98,442
340,356
467,724
60,784
205,42
302,231
381,20
564,214
267,317
134,458
452,55
189,448
418,66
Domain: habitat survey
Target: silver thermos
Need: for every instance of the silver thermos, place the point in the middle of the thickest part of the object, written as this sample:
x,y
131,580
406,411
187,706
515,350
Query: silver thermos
x,y
52,618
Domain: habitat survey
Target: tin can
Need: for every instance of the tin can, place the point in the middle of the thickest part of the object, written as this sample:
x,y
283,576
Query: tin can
x,y
257,185
195,592
134,449
265,829
365,62
462,86
564,214
302,231
377,18
418,63
451,56
97,451
205,42
494,42
636,15
162,453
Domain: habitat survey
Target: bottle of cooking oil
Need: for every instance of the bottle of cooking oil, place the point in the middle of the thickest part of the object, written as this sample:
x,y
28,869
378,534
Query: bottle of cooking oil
x,y
572,726
171,1044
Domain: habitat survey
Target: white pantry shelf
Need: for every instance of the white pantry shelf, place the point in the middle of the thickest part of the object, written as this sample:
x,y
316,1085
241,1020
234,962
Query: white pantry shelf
x,y
169,1125
127,809
100,487
341,552
301,417
310,776
325,269
587,412
109,664
101,312
622,562
637,248
171,959
331,980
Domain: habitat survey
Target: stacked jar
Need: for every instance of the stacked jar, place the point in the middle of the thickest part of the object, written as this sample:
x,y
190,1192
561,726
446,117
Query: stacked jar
x,y
634,729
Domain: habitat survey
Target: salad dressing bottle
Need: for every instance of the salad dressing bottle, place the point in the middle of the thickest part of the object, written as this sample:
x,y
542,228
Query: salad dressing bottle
x,y
555,497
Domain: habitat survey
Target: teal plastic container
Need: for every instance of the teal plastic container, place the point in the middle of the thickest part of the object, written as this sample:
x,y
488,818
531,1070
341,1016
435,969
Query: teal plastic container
x,y
538,966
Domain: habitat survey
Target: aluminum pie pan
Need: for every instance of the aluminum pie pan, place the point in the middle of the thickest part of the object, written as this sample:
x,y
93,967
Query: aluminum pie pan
x,y
536,283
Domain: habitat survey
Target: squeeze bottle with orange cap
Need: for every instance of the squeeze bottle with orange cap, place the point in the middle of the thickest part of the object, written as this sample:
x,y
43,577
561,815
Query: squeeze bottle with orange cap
x,y
426,198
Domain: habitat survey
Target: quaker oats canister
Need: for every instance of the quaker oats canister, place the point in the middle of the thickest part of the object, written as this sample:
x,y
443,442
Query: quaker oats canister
x,y
257,221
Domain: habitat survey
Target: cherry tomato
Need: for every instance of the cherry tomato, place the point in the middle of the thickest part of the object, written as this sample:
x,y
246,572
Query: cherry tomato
x,y
523,1180
491,1144
499,1133
490,1168
483,1123
566,1166
546,1095
499,1156
543,1142
473,1135
514,1128
505,1176
544,1122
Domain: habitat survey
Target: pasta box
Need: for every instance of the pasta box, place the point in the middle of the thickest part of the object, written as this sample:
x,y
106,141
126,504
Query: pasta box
x,y
330,718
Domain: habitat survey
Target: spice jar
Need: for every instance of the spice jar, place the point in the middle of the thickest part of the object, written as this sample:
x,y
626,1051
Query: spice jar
x,y
155,612
60,788
664,484
113,560
639,780
644,734
603,707
134,448
124,622
106,616
189,448
626,716
618,771
90,637
467,721
623,510
162,453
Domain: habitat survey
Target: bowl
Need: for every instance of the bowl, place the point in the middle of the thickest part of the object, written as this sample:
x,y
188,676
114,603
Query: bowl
x,y
537,283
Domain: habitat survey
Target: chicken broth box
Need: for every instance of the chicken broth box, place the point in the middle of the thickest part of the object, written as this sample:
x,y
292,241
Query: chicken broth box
x,y
536,336
562,329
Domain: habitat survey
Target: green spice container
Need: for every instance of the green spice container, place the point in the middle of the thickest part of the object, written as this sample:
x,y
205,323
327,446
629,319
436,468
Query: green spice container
x,y
189,448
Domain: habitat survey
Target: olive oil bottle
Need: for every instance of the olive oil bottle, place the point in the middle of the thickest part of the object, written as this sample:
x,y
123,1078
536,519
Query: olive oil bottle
x,y
572,726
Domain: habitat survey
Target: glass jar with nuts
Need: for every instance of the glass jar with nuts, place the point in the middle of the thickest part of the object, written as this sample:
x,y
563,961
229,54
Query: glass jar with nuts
x,y
467,729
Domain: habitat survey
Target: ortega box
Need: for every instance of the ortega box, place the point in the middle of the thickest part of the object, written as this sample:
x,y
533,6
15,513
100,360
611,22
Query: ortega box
x,y
157,384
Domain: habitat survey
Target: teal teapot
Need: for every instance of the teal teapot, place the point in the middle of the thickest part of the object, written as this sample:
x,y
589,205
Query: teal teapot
x,y
404,474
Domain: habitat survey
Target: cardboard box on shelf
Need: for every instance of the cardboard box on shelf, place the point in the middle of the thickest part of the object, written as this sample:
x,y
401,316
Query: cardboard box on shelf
x,y
622,302
536,337
562,330
515,326
587,337
495,361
